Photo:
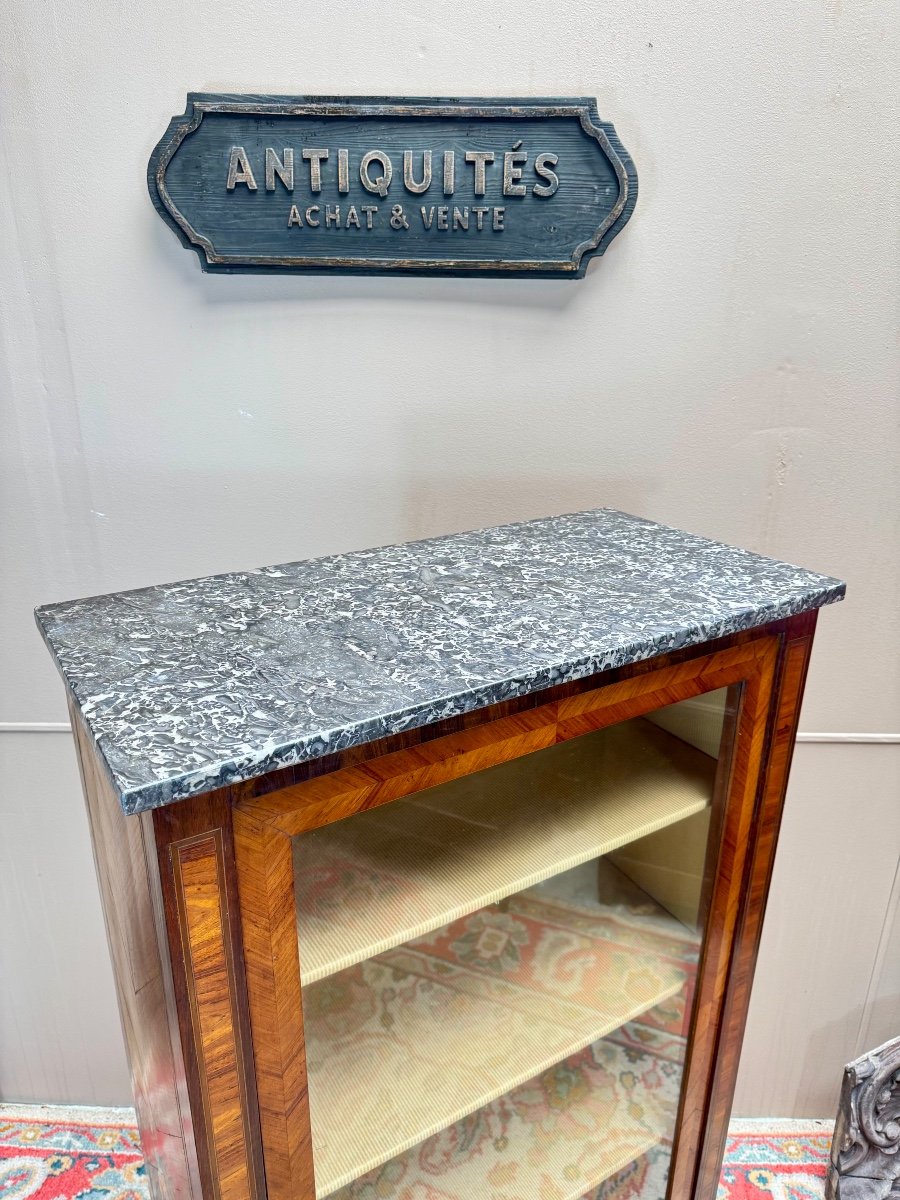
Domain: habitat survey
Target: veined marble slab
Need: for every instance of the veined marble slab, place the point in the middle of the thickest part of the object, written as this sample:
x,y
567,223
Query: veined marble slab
x,y
189,686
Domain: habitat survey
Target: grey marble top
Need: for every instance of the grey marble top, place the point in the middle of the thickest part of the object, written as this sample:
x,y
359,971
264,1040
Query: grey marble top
x,y
189,686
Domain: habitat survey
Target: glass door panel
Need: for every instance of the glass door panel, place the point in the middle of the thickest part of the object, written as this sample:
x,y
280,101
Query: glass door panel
x,y
497,972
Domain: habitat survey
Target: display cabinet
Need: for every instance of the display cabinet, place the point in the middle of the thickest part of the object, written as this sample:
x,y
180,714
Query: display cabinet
x,y
436,872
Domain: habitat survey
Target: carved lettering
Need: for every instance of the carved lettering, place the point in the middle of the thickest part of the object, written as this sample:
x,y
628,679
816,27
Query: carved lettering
x,y
282,167
542,165
480,213
417,186
383,181
315,157
376,170
512,171
480,158
239,170
343,171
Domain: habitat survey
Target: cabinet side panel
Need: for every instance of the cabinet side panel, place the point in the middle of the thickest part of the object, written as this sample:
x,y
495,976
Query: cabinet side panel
x,y
726,902
203,922
194,848
124,864
783,718
266,873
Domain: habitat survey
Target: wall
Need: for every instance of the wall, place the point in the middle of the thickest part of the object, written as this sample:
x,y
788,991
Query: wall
x,y
730,367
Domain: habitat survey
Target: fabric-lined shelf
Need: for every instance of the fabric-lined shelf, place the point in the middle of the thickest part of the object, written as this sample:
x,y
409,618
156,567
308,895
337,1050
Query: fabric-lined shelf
x,y
384,877
533,1143
409,1043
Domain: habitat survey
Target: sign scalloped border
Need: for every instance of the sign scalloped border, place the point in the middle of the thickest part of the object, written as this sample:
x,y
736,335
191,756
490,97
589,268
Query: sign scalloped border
x,y
584,109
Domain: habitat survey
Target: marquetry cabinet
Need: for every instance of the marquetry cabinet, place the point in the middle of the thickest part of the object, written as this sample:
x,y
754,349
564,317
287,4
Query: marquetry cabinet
x,y
437,872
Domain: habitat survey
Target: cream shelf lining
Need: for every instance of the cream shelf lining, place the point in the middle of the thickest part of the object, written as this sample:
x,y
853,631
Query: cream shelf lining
x,y
442,1040
381,878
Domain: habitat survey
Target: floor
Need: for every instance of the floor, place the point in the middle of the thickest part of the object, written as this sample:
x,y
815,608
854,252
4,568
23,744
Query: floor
x,y
50,1153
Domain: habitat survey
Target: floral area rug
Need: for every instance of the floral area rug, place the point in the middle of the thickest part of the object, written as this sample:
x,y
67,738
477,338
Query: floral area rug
x,y
49,1153
784,1160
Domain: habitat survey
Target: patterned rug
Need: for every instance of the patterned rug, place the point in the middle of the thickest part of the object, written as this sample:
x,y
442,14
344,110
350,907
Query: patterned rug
x,y
785,1160
54,1153
49,1153
539,1043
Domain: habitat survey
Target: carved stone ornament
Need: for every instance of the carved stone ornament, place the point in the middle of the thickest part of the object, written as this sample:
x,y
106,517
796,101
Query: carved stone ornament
x,y
865,1153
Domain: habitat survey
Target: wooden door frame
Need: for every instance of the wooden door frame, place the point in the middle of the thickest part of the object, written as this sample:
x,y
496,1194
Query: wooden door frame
x,y
241,1020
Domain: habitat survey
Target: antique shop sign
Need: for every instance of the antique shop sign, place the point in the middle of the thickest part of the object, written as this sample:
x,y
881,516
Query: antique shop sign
x,y
452,187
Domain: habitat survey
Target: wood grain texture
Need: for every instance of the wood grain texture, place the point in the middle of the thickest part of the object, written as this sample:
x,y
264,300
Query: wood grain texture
x,y
780,731
198,885
724,914
265,867
354,789
127,873
238,1092
640,694
264,826
721,791
199,874
244,228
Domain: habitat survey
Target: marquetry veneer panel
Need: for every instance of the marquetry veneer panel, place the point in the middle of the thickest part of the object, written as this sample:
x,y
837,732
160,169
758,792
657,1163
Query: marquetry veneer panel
x,y
199,875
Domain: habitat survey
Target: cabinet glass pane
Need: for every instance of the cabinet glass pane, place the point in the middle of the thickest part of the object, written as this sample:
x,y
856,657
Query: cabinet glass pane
x,y
497,972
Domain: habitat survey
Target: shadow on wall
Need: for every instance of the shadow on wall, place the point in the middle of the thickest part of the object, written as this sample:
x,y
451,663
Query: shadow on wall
x,y
436,505
881,1024
311,290
536,475
819,1086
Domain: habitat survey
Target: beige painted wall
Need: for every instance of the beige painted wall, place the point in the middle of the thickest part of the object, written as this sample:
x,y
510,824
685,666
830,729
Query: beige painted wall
x,y
827,985
731,366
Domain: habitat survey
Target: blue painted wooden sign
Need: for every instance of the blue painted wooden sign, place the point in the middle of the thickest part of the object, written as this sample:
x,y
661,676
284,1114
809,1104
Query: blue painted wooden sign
x,y
535,187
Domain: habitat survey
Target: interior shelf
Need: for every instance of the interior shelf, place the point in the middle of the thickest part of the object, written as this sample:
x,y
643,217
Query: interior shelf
x,y
530,1144
405,1045
381,878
